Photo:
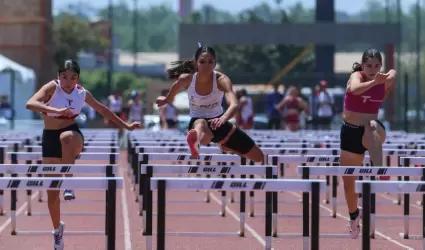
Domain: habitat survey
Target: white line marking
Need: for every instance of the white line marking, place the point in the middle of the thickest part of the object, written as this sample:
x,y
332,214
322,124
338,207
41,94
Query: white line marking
x,y
250,229
348,219
387,197
20,210
124,205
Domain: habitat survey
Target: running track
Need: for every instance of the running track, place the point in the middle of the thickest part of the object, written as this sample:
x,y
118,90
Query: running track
x,y
129,224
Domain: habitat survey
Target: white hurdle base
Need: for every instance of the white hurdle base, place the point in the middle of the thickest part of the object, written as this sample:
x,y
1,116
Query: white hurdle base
x,y
329,236
411,236
38,233
68,214
201,234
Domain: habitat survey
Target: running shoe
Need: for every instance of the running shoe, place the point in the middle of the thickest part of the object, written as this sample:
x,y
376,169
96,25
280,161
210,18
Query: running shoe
x,y
354,225
68,195
58,237
193,143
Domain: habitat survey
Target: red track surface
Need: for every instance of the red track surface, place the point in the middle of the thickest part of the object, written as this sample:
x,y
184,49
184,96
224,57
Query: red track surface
x,y
387,230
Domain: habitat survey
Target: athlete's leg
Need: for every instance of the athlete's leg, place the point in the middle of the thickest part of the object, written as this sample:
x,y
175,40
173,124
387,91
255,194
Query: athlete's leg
x,y
238,142
351,197
199,134
72,144
373,138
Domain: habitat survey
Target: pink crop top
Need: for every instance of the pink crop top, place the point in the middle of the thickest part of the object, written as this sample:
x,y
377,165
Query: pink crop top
x,y
368,102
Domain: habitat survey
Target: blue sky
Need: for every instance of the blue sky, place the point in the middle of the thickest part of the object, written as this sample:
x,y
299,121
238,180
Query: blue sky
x,y
231,5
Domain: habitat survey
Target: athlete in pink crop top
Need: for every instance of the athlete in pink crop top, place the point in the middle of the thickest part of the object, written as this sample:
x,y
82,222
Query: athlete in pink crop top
x,y
60,101
367,88
293,105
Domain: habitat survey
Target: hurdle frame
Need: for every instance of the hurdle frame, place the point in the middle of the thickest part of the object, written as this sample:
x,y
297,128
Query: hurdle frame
x,y
160,184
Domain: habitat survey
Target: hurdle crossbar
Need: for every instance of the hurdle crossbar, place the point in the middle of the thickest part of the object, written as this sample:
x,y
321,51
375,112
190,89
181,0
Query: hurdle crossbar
x,y
83,183
269,186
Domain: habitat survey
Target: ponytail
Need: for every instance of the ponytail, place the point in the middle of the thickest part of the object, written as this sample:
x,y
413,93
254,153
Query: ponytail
x,y
181,67
356,67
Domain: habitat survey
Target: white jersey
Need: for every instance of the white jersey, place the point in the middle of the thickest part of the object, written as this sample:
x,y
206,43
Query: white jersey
x,y
115,104
170,112
60,99
205,106
247,109
136,111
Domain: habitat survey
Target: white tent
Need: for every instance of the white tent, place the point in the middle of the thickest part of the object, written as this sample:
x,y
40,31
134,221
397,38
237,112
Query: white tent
x,y
25,82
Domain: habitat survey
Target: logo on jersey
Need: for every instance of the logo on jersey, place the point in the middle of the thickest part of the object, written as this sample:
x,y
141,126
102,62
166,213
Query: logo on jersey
x,y
367,97
70,103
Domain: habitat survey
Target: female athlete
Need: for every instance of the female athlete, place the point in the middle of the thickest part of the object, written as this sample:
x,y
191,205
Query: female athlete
x,y
209,123
60,101
293,104
366,89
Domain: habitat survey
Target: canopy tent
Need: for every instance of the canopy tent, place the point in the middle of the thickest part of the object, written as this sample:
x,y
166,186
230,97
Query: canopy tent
x,y
24,81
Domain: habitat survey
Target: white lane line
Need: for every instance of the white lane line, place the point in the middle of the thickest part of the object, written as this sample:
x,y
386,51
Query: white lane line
x,y
20,210
376,231
124,205
247,227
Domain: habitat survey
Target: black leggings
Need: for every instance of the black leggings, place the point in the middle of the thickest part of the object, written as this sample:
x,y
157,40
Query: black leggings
x,y
352,137
50,142
239,141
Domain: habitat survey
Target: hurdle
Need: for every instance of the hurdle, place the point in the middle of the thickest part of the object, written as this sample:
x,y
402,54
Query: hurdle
x,y
369,187
372,172
181,159
110,184
147,172
28,157
161,185
88,149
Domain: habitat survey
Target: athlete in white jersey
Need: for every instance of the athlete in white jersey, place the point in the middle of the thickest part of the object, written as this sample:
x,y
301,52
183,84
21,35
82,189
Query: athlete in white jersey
x,y
209,122
60,101
246,111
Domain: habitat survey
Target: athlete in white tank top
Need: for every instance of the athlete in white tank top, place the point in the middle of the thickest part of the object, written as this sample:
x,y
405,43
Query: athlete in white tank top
x,y
62,141
74,101
209,121
205,106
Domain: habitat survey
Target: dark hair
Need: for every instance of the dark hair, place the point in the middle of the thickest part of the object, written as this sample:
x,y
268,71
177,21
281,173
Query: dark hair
x,y
367,54
188,66
70,65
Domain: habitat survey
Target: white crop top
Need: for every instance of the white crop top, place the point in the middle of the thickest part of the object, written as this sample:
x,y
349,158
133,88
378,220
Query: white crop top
x,y
60,99
205,106
115,104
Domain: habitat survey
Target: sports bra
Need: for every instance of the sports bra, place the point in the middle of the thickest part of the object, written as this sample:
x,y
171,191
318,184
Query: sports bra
x,y
60,99
292,104
205,106
368,102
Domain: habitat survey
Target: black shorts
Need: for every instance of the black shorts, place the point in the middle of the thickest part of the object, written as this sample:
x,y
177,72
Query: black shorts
x,y
171,123
50,141
352,137
239,141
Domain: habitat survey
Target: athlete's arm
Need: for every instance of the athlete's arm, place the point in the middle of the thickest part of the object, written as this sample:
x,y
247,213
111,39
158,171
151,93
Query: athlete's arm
x,y
389,83
35,103
182,83
303,104
281,104
356,86
225,85
105,111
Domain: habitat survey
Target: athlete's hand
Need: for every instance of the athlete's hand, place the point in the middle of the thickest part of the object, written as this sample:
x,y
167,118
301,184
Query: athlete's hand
x,y
381,77
64,112
161,101
216,122
133,126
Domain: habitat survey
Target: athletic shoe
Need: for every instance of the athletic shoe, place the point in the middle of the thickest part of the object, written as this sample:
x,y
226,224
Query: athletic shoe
x,y
68,195
58,237
354,226
193,143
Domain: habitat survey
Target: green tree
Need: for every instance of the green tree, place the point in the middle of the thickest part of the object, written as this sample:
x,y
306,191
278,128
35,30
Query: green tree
x,y
73,34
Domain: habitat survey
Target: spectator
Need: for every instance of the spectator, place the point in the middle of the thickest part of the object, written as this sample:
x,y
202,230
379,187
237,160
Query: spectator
x,y
275,118
325,107
5,108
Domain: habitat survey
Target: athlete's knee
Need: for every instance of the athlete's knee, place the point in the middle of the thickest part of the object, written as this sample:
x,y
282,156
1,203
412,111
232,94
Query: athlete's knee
x,y
66,138
200,123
